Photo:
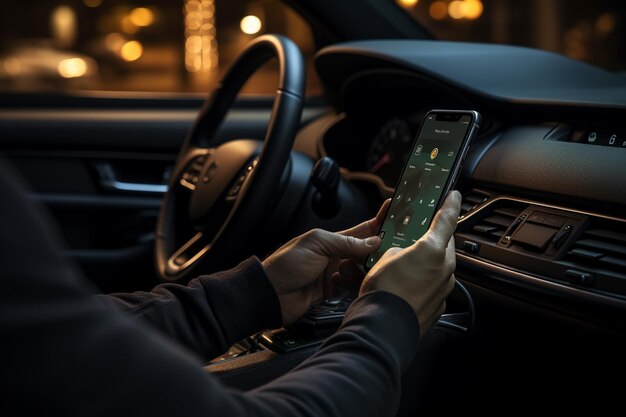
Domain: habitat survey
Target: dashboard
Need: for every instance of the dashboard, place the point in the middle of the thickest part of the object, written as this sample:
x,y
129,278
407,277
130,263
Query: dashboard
x,y
544,184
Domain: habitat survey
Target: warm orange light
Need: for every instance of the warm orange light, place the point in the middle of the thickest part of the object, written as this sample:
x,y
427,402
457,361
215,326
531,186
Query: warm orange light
x,y
64,25
407,3
457,9
250,25
473,9
72,68
92,3
438,10
141,17
605,23
114,42
12,66
131,51
128,26
201,52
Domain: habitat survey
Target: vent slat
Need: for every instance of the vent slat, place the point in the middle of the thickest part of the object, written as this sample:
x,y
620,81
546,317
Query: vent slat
x,y
508,211
606,234
465,207
484,228
475,198
599,245
587,254
499,220
610,260
498,234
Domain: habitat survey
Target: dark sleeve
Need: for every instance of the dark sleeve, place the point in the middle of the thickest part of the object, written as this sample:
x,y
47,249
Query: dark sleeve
x,y
212,312
65,353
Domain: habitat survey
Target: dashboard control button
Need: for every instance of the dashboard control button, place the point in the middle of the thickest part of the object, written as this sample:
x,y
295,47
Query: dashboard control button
x,y
562,236
471,247
484,228
537,217
555,221
533,236
579,277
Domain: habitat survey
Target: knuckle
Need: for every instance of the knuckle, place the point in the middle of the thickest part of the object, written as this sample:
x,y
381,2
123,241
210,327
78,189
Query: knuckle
x,y
315,233
432,247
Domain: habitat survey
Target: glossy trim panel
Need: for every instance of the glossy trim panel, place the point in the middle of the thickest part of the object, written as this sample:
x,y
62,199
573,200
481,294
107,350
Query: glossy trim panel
x,y
515,277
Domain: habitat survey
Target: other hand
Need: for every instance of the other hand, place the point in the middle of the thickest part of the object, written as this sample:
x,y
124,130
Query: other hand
x,y
300,270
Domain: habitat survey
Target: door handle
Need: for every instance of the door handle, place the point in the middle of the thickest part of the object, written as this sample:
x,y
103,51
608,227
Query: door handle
x,y
109,181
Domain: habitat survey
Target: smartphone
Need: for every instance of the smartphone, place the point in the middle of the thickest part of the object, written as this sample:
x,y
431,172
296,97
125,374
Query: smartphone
x,y
429,175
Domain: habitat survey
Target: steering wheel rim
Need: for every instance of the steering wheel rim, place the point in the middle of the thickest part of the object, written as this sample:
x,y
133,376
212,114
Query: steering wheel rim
x,y
234,165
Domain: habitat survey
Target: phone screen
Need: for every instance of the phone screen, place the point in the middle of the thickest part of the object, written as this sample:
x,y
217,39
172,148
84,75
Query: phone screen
x,y
424,180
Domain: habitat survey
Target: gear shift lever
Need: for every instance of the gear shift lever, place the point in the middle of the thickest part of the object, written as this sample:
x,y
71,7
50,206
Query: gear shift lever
x,y
325,178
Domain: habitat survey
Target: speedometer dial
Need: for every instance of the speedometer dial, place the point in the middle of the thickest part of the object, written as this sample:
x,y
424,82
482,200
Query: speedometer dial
x,y
389,150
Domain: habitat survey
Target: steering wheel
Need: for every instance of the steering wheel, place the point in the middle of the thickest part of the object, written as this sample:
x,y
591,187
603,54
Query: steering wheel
x,y
218,194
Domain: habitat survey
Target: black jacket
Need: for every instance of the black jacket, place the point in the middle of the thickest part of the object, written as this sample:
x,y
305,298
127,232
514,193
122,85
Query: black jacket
x,y
65,352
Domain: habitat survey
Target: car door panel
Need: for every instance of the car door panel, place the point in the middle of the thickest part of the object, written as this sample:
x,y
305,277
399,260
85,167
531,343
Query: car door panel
x,y
102,172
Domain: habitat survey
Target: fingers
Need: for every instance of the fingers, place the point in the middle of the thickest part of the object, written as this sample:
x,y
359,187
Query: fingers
x,y
370,227
444,223
335,245
380,216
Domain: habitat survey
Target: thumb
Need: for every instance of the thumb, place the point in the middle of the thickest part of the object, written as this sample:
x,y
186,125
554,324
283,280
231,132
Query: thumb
x,y
335,245
445,221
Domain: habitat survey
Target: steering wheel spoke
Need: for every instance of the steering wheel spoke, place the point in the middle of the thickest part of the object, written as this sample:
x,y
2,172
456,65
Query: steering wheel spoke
x,y
188,254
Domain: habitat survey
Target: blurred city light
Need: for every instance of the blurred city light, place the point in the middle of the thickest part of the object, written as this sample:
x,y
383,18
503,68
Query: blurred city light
x,y
250,25
63,25
92,3
72,68
473,9
114,42
438,10
131,51
407,3
12,66
141,17
200,36
605,23
128,26
456,9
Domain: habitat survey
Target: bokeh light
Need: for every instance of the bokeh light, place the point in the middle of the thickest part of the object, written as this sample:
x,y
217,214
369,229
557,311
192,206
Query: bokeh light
x,y
92,3
131,51
141,17
456,9
438,10
250,25
72,68
407,3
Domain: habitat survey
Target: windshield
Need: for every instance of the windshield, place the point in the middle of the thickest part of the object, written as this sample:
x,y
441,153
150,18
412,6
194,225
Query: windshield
x,y
140,45
590,31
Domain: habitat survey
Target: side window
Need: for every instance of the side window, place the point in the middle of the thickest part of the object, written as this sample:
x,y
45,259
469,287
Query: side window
x,y
135,45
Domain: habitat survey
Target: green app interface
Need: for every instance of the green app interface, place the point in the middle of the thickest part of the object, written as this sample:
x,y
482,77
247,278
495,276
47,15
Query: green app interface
x,y
422,183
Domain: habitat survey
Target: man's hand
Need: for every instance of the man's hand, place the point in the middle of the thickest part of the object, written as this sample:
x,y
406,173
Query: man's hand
x,y
299,270
422,274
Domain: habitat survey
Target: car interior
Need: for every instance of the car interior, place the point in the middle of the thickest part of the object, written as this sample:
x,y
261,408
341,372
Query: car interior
x,y
161,187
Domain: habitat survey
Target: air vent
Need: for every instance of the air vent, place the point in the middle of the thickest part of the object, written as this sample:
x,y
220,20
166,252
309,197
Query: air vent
x,y
493,225
472,200
601,249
